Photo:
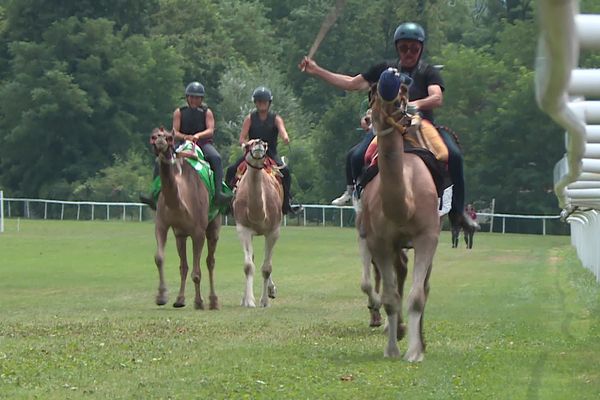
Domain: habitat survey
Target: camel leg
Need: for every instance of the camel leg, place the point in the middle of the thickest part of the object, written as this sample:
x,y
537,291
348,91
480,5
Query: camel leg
x,y
424,250
197,246
401,267
159,258
245,235
212,235
269,289
183,270
374,302
390,298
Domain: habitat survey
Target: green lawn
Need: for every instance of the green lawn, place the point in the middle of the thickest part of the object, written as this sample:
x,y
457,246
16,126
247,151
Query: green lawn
x,y
517,317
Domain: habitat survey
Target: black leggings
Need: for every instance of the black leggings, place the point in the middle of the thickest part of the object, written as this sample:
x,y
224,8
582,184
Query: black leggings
x,y
455,169
213,157
355,159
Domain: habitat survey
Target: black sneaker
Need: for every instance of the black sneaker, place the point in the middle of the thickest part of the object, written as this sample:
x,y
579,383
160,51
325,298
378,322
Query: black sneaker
x,y
149,200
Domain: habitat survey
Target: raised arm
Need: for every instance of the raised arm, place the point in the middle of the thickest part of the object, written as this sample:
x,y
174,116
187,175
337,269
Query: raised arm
x,y
345,82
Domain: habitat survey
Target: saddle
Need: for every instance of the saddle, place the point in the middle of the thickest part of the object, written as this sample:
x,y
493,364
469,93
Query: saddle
x,y
423,140
270,168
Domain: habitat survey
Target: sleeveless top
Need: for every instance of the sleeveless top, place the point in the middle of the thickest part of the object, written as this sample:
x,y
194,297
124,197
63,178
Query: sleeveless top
x,y
265,130
193,120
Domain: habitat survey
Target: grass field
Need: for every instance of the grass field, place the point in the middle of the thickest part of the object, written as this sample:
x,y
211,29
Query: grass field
x,y
514,318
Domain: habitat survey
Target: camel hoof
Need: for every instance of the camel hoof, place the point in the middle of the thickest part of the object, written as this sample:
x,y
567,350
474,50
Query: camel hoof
x,y
414,356
214,303
199,305
161,301
248,303
272,291
375,319
391,352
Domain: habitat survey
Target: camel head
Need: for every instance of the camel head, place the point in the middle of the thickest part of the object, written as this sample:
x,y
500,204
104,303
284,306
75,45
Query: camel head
x,y
389,102
256,152
162,142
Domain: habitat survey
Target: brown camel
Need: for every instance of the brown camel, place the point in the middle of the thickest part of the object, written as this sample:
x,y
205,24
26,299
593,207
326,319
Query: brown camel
x,y
398,206
183,205
257,211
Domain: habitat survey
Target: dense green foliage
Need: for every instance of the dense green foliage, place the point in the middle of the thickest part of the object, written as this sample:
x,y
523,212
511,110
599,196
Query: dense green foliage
x,y
82,83
517,317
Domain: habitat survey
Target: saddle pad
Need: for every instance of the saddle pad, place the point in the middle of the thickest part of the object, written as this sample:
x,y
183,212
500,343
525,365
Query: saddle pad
x,y
194,156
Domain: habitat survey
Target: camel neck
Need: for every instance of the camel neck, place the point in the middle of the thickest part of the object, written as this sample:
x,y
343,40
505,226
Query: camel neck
x,y
393,189
169,187
256,206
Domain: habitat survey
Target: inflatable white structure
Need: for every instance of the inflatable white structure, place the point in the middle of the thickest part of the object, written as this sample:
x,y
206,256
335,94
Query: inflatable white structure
x,y
567,94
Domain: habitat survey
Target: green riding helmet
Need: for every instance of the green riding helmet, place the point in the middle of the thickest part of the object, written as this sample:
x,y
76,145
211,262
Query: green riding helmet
x,y
194,89
262,93
409,31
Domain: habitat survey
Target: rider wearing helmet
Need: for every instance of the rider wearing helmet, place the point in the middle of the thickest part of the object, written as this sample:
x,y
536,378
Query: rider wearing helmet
x,y
268,126
425,93
195,122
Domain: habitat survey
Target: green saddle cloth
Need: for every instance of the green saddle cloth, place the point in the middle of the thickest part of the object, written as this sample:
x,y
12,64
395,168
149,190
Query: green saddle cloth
x,y
206,174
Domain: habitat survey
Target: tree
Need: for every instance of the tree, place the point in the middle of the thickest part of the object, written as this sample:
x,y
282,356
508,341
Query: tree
x,y
92,93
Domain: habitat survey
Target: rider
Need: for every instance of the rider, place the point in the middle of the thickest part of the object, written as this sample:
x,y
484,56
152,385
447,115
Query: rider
x,y
195,122
268,126
425,93
354,159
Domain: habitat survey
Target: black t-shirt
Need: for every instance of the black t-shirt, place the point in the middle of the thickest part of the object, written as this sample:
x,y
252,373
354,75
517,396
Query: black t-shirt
x,y
423,76
265,130
193,120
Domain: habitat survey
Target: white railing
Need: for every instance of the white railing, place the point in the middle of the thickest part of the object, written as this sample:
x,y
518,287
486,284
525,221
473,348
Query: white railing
x,y
92,209
561,91
312,215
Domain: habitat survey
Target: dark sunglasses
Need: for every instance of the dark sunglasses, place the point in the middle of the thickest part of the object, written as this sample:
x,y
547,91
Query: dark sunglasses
x,y
404,48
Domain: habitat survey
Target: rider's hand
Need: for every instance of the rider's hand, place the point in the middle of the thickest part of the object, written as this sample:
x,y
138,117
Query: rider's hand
x,y
286,140
308,65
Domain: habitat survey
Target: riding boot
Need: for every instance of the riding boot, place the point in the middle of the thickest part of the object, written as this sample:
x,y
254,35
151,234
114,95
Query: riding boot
x,y
148,198
458,217
221,198
287,207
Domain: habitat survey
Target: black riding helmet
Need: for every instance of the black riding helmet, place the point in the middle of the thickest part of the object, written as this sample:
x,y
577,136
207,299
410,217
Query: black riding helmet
x,y
409,31
262,93
194,89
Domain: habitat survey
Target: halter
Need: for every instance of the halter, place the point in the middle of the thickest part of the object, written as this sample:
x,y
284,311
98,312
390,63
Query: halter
x,y
249,152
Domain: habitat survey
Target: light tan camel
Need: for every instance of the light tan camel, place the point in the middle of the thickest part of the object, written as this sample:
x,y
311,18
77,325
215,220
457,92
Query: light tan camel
x,y
398,206
257,211
183,205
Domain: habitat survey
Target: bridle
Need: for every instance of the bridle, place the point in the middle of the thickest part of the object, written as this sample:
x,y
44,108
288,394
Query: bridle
x,y
251,154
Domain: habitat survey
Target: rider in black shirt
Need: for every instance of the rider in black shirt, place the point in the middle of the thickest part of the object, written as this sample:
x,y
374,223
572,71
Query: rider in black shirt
x,y
268,126
425,93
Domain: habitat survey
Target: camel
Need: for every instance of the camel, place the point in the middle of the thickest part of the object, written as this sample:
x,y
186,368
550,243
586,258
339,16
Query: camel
x,y
183,205
257,211
398,207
